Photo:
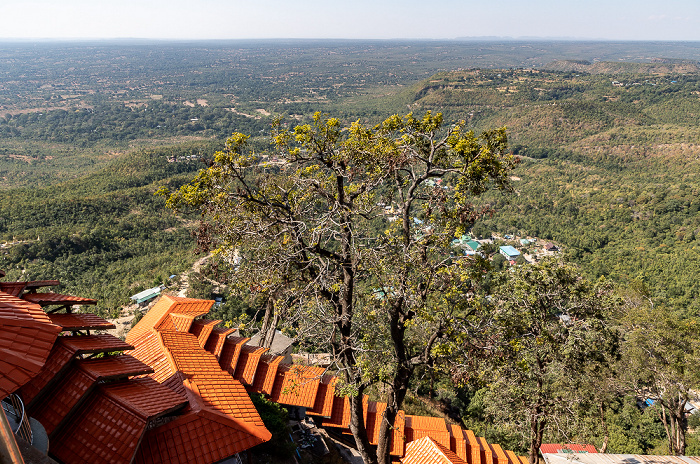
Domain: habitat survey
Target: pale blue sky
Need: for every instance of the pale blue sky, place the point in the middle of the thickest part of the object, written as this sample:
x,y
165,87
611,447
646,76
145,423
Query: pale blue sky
x,y
352,19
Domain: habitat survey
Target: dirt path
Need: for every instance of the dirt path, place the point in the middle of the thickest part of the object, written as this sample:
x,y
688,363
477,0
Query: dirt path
x,y
185,278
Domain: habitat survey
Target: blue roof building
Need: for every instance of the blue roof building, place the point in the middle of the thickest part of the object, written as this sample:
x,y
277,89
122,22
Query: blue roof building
x,y
509,252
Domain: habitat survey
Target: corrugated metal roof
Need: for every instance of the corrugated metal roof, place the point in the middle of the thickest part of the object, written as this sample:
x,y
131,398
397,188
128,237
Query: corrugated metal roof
x,y
604,458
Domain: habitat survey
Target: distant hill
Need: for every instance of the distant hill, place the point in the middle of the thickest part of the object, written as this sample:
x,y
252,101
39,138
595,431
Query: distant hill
x,y
657,66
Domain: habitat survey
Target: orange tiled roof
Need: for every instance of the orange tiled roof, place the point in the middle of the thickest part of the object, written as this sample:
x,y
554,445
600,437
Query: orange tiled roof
x,y
498,454
173,344
215,343
299,385
195,437
422,426
13,288
248,363
108,427
57,361
149,349
159,314
486,453
26,339
48,299
512,457
231,352
114,367
90,344
61,399
428,451
266,373
458,442
202,329
375,414
324,397
474,447
340,413
82,321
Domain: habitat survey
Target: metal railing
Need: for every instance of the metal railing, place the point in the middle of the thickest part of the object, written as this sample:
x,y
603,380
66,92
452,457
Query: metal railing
x,y
14,407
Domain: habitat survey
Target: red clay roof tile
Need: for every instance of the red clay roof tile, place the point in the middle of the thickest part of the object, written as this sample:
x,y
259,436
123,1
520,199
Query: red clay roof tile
x,y
58,360
418,427
340,413
248,363
114,367
499,456
474,447
398,435
299,386
195,437
512,457
27,337
458,442
266,373
144,397
223,394
486,452
428,451
231,352
202,329
100,343
102,431
373,420
216,340
177,322
324,397
80,321
49,299
13,288
61,398
150,350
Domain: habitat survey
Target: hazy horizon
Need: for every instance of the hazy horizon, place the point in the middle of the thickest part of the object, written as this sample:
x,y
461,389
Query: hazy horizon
x,y
598,20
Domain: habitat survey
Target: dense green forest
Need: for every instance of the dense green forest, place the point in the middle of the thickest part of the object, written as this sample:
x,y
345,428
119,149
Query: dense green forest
x,y
606,133
106,234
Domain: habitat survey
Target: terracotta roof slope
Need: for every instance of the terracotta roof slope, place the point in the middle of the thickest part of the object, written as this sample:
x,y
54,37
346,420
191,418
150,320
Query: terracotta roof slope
x,y
216,340
167,305
80,321
299,386
26,340
49,299
202,329
110,424
428,451
231,352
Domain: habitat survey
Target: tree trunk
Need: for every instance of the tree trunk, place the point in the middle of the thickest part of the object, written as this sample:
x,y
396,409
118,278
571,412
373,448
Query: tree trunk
x,y
357,427
269,311
397,394
537,425
606,438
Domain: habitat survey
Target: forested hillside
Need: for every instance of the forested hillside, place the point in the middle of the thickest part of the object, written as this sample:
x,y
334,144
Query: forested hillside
x,y
106,234
609,170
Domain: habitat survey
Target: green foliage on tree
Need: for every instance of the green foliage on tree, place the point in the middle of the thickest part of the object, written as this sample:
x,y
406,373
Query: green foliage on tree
x,y
661,355
314,236
276,420
547,326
